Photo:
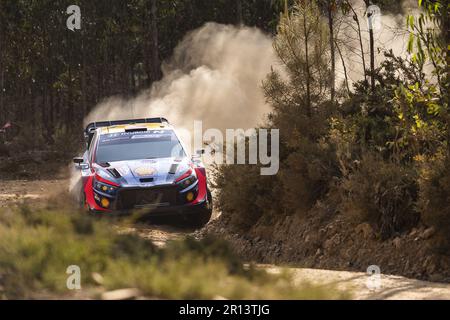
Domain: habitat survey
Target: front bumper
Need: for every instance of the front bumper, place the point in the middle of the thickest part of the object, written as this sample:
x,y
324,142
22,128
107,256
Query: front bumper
x,y
170,204
174,203
182,210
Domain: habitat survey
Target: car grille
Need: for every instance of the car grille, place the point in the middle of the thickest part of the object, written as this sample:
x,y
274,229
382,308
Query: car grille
x,y
146,197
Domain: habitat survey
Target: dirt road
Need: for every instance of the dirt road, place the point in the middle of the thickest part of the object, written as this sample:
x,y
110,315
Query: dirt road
x,y
361,286
35,191
390,287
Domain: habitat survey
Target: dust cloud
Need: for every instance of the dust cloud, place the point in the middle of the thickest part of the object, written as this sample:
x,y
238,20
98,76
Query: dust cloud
x,y
216,71
215,76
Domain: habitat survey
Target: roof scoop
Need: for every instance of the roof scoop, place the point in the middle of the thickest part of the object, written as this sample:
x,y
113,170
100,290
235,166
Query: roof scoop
x,y
135,129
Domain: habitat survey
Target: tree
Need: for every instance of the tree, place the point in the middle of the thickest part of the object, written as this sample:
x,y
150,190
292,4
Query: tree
x,y
51,77
372,48
302,44
153,62
429,37
1,68
346,8
239,18
330,8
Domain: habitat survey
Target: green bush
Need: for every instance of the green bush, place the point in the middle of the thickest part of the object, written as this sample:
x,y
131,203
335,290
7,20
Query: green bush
x,y
243,195
305,176
66,142
434,199
382,193
37,246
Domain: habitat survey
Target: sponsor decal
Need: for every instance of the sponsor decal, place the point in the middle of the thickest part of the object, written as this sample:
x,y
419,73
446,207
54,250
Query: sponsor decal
x,y
144,171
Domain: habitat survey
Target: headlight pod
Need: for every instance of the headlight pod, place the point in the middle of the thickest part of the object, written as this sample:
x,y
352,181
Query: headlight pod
x,y
187,179
187,182
105,188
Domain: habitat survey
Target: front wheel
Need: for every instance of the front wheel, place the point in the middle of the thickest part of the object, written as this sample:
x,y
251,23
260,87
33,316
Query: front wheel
x,y
201,218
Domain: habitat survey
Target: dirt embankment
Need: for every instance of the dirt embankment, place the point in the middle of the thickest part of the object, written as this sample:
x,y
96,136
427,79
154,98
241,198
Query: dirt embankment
x,y
339,244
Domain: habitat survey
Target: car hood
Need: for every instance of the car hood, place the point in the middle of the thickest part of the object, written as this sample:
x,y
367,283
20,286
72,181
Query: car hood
x,y
146,172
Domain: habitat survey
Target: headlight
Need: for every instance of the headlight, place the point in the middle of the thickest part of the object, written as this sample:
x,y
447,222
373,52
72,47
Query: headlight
x,y
186,179
187,182
105,188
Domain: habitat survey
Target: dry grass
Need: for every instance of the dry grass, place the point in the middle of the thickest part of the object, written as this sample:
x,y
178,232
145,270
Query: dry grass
x,y
37,246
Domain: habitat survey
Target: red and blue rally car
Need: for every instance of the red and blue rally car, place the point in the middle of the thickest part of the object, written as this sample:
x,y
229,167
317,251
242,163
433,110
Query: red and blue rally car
x,y
141,164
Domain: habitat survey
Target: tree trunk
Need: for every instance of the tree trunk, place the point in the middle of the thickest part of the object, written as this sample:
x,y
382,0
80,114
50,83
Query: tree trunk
x,y
308,75
155,64
2,84
355,17
239,18
332,51
2,113
83,81
372,55
345,68
372,62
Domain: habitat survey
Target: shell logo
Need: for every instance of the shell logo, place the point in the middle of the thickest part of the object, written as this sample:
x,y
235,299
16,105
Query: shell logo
x,y
144,171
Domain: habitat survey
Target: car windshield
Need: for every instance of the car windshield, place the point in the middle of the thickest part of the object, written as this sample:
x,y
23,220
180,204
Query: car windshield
x,y
149,144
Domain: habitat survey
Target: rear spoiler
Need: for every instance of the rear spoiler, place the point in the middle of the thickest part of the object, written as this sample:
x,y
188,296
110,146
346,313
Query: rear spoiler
x,y
90,129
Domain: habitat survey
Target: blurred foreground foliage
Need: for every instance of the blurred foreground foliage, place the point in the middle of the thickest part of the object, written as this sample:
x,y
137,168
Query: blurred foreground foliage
x,y
38,245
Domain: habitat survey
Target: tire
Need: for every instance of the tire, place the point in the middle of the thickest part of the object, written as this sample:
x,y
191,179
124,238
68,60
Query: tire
x,y
82,201
201,218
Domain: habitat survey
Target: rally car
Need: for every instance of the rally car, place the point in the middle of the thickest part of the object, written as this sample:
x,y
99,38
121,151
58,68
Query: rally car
x,y
141,164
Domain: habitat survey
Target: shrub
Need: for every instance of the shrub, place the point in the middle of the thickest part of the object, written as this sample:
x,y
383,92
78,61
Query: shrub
x,y
243,195
434,199
37,246
382,193
28,138
305,176
67,142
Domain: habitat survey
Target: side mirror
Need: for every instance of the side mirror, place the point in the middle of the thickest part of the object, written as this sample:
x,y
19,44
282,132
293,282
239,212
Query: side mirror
x,y
200,152
78,160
